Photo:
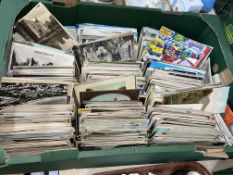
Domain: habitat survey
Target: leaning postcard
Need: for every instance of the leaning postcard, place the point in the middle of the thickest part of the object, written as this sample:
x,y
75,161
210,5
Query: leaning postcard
x,y
40,26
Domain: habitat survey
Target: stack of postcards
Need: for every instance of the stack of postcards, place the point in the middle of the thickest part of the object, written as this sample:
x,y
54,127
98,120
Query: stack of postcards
x,y
108,125
127,90
35,115
112,115
37,107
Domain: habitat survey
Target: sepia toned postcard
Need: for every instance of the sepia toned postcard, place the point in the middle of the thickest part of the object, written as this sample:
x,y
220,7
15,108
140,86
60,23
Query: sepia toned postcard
x,y
40,26
110,96
118,83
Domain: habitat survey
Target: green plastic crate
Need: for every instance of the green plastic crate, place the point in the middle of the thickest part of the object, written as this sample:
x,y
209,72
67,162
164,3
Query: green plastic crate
x,y
204,28
224,7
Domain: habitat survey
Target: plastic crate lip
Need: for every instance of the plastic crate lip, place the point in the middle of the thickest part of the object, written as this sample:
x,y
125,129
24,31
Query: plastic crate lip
x,y
75,154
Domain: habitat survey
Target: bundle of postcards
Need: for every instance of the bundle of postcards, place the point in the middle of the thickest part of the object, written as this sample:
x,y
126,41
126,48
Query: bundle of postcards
x,y
37,107
108,52
112,82
42,48
35,115
154,90
182,100
112,114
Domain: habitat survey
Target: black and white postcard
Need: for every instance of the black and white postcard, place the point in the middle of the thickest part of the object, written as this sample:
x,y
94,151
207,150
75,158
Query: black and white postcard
x,y
38,56
15,91
117,48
